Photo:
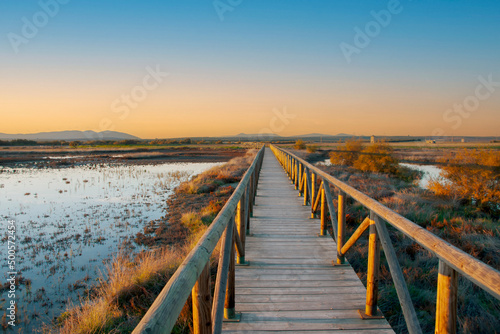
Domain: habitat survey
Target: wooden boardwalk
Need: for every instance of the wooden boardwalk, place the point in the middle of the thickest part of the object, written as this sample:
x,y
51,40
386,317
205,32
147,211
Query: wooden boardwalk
x,y
290,284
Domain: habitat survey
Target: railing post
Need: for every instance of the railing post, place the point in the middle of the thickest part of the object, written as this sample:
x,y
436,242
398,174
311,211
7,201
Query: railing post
x,y
289,166
446,305
323,211
247,209
373,269
313,193
241,225
255,176
250,197
202,303
229,304
306,192
300,179
341,226
297,175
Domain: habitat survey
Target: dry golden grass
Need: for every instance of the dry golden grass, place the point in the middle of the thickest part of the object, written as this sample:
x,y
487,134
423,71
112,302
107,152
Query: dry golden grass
x,y
129,286
215,177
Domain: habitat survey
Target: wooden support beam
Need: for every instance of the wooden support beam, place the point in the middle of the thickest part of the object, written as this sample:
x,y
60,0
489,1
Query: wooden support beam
x,y
247,209
398,278
446,305
306,191
355,236
372,276
313,192
251,195
297,176
300,181
317,202
239,245
323,212
341,210
229,304
241,224
202,303
309,186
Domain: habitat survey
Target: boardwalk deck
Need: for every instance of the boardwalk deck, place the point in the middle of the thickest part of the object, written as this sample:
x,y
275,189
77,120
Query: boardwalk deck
x,y
290,284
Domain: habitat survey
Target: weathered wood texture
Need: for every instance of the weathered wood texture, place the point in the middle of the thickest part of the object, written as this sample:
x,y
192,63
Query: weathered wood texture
x,y
290,284
446,312
202,304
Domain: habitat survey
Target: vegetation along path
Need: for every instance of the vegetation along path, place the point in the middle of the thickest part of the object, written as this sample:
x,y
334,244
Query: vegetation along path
x,y
290,284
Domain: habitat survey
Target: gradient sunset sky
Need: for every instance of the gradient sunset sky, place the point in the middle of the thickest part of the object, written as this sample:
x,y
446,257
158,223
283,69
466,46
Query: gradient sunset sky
x,y
234,65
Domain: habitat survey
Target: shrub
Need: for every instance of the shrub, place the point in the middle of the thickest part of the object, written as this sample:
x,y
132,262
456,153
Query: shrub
x,y
377,158
299,145
473,175
346,155
312,148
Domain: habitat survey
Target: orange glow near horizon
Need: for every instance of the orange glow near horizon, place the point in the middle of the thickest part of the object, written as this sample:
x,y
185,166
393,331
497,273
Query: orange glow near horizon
x,y
211,111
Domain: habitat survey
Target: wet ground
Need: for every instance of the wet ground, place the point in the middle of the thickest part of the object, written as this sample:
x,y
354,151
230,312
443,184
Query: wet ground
x,y
72,218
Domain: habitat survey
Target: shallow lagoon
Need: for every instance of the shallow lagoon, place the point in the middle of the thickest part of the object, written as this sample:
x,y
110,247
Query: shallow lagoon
x,y
71,221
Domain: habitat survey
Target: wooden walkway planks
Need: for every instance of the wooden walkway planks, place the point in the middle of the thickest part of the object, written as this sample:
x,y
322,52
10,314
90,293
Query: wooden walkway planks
x,y
291,285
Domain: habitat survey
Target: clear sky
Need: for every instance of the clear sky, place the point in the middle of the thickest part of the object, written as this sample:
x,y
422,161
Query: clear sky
x,y
160,69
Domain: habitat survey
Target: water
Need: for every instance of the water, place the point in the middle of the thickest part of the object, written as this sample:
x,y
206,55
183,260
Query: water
x,y
429,172
71,221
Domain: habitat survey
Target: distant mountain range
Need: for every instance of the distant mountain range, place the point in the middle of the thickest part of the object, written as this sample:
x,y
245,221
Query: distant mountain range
x,y
70,135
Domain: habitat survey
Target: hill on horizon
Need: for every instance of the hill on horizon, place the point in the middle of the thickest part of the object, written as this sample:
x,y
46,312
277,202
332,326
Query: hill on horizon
x,y
70,135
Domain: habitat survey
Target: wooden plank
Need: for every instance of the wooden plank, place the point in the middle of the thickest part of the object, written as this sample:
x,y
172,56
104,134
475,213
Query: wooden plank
x,y
338,315
304,290
347,305
342,283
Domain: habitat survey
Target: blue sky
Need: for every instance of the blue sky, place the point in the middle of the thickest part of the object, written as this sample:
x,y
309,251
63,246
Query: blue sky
x,y
263,55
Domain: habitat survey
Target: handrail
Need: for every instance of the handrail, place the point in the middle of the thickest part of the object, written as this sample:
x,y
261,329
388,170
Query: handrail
x,y
453,261
162,315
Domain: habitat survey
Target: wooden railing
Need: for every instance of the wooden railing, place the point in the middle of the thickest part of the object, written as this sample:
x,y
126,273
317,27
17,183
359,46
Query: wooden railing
x,y
193,276
452,261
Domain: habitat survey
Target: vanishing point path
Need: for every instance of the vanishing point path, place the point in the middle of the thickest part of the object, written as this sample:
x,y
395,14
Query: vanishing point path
x,y
290,284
